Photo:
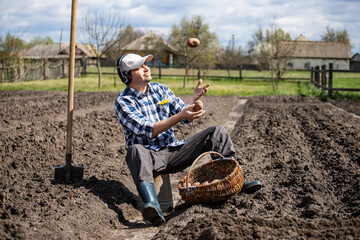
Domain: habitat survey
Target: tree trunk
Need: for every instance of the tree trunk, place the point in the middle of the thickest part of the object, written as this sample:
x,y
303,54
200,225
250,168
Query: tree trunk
x,y
186,75
277,73
99,71
186,72
272,79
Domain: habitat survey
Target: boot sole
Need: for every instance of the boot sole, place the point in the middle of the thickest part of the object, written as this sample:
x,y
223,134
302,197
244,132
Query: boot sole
x,y
152,215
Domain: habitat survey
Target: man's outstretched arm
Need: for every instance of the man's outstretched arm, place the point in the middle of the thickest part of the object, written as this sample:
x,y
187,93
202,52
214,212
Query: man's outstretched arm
x,y
167,123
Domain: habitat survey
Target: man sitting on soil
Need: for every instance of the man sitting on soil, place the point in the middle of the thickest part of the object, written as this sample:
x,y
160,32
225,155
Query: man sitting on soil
x,y
148,111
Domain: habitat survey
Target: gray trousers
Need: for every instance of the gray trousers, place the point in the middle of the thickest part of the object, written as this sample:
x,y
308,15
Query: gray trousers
x,y
144,163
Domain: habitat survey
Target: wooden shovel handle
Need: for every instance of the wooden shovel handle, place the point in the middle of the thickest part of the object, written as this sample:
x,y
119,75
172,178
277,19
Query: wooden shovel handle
x,y
71,79
198,158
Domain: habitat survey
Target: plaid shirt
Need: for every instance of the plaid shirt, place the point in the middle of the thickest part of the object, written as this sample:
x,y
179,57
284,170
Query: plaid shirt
x,y
137,113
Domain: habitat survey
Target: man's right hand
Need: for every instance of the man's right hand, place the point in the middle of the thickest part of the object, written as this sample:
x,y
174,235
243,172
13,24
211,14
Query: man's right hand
x,y
188,113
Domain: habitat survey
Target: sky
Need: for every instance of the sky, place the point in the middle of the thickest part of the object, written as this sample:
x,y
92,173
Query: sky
x,y
226,18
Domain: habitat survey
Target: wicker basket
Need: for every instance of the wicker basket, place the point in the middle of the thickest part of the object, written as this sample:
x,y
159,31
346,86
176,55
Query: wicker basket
x,y
215,181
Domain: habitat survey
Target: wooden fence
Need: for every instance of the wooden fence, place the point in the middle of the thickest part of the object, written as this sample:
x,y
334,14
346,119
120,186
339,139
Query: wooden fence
x,y
39,69
323,79
215,77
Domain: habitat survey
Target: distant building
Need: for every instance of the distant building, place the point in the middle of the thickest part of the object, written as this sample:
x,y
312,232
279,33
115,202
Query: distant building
x,y
355,62
150,43
306,54
51,61
59,51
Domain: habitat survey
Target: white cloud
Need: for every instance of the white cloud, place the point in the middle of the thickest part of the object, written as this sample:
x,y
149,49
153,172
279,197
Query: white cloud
x,y
225,17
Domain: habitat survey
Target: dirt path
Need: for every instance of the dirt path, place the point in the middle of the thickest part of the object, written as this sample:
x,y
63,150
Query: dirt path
x,y
305,151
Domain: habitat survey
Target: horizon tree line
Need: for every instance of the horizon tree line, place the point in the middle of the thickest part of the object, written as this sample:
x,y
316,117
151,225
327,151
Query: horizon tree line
x,y
107,34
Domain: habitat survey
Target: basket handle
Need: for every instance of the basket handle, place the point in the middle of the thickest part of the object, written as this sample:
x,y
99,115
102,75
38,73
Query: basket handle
x,y
198,158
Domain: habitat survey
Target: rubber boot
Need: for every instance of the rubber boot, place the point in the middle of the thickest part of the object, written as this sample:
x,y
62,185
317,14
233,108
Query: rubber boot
x,y
251,187
151,210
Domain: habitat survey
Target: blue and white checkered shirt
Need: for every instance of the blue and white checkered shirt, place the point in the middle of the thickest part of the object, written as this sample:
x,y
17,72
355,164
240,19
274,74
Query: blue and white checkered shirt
x,y
137,113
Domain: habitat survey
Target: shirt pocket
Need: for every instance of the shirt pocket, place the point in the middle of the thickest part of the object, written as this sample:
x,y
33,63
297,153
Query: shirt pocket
x,y
164,110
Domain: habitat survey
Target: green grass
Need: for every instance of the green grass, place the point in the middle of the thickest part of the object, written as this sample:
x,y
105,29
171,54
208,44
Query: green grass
x,y
235,86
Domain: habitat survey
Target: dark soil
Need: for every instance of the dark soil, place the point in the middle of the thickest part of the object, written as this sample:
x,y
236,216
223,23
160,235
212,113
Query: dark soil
x,y
305,151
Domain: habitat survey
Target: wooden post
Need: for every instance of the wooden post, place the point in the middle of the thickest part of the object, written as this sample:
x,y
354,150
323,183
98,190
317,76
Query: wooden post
x,y
160,69
330,79
83,62
46,68
240,71
312,74
66,67
21,70
323,77
317,80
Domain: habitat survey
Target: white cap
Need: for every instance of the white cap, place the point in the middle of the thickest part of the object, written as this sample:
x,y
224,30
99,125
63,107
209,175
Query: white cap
x,y
133,61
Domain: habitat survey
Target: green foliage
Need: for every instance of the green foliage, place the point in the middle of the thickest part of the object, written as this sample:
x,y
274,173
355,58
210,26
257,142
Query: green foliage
x,y
276,34
194,28
10,46
39,40
335,36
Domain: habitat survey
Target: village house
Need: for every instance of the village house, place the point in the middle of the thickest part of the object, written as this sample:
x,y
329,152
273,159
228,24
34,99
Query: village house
x,y
150,43
51,61
305,54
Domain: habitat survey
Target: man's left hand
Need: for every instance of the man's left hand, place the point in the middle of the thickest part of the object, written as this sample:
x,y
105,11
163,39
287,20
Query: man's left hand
x,y
199,90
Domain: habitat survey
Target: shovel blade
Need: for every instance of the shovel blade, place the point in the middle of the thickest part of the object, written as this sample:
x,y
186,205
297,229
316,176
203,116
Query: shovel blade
x,y
68,173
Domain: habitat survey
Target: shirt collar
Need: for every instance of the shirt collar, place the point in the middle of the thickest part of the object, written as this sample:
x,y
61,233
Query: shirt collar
x,y
135,93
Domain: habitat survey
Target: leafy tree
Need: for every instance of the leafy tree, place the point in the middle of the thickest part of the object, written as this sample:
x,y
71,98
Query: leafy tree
x,y
125,37
39,40
129,35
101,31
10,47
335,36
271,51
187,28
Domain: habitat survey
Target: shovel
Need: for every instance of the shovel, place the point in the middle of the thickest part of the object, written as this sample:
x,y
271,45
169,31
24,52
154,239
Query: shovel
x,y
69,173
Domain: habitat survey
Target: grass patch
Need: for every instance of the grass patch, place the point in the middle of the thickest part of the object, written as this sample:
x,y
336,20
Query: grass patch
x,y
219,87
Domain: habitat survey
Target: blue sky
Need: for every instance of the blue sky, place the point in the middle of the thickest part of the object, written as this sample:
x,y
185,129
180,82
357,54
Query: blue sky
x,y
39,18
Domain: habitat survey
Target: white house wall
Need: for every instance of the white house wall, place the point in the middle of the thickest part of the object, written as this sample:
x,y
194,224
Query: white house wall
x,y
306,64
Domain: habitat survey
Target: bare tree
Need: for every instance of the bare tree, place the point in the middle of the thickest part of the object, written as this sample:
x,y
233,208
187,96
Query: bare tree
x,y
101,31
207,59
231,56
194,27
